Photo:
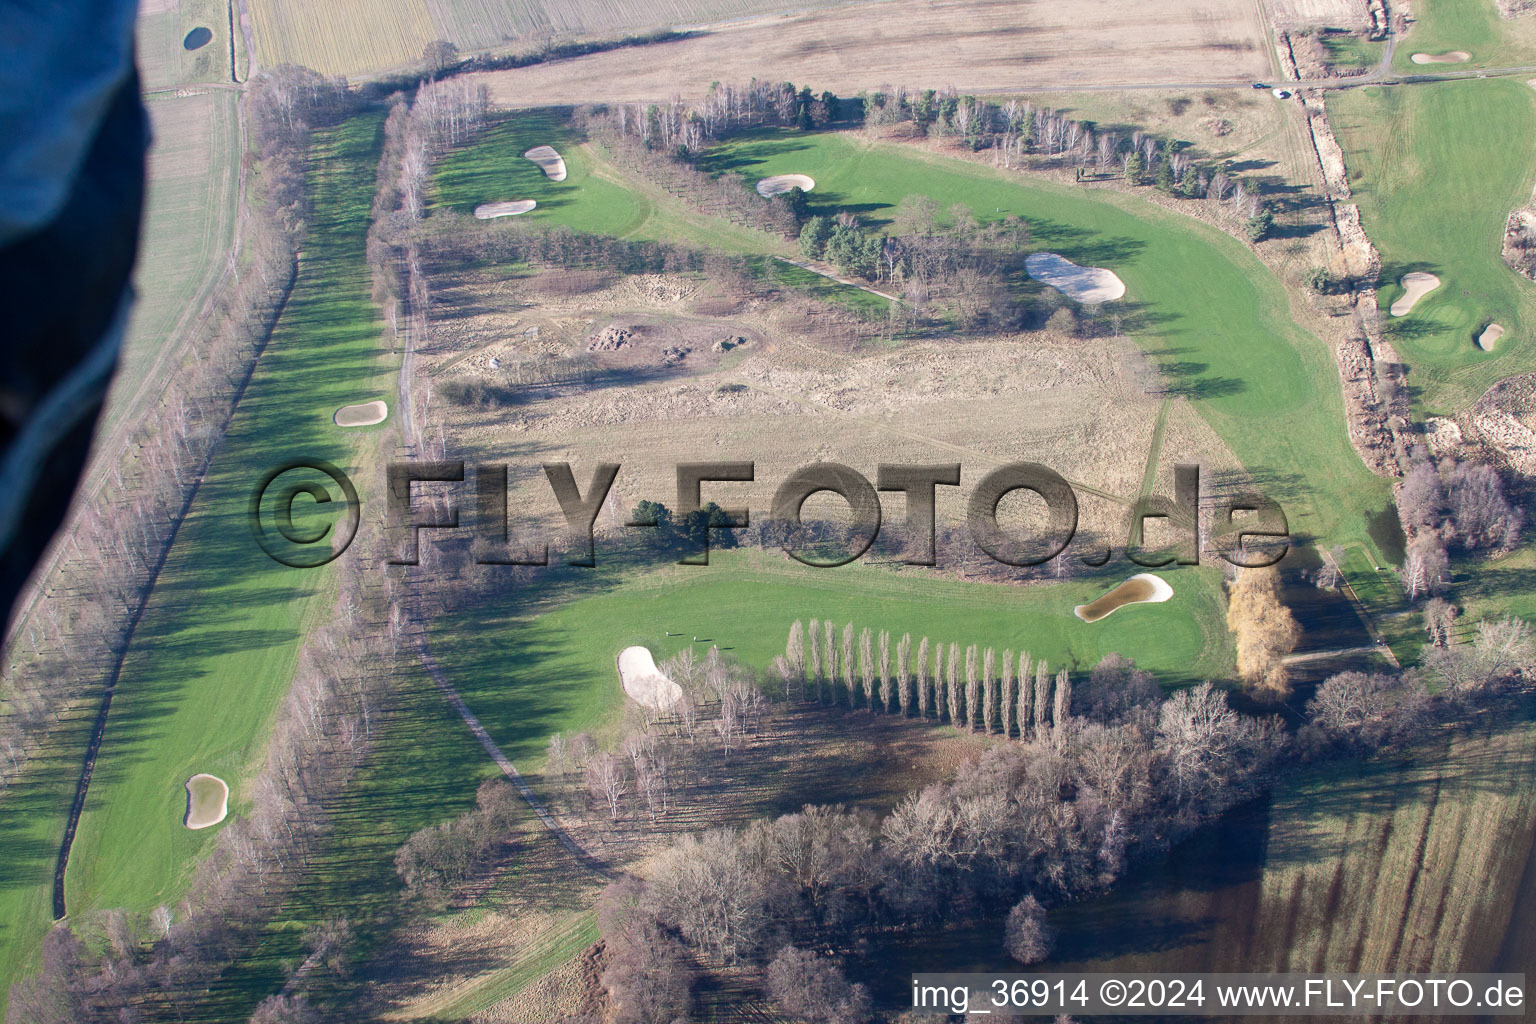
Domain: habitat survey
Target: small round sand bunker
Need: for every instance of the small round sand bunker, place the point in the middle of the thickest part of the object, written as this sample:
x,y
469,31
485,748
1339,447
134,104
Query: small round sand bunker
x,y
643,681
549,161
1416,284
1490,337
781,183
1143,588
364,414
207,801
1083,284
1453,57
489,211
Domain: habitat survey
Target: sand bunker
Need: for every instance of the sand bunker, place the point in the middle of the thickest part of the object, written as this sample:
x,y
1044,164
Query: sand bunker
x,y
207,801
549,161
780,183
1416,285
1454,57
1085,284
487,211
644,683
1143,588
1490,337
365,414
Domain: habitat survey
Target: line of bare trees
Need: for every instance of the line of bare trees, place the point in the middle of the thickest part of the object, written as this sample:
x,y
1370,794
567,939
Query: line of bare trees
x,y
1024,135
114,545
976,689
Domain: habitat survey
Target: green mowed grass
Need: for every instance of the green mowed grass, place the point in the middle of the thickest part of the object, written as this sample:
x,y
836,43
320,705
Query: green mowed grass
x,y
1440,26
493,170
1491,587
1215,320
1436,170
216,648
424,768
1381,591
530,672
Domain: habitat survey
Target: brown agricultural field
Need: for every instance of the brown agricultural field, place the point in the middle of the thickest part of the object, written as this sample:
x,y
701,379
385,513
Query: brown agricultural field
x,y
981,46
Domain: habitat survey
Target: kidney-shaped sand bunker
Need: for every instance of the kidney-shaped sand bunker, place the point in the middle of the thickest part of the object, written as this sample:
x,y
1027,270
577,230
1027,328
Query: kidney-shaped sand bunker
x,y
1141,588
207,801
643,681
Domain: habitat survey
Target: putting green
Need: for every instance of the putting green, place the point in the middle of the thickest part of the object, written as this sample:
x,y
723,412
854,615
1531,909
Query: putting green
x,y
1436,170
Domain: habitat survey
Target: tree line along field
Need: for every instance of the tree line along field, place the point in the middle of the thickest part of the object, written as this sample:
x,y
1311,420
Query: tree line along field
x,y
1406,148
189,222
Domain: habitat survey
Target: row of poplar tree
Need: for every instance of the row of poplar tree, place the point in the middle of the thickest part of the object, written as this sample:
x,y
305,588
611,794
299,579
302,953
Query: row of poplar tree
x,y
973,688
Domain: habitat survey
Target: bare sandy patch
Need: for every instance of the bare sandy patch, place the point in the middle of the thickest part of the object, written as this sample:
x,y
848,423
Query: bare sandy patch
x,y
781,183
1490,337
207,801
1083,284
513,208
1143,588
643,681
549,161
1453,57
364,414
1416,284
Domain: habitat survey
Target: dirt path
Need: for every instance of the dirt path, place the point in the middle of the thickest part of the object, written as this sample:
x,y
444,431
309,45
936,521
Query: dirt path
x,y
1360,610
831,275
440,678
